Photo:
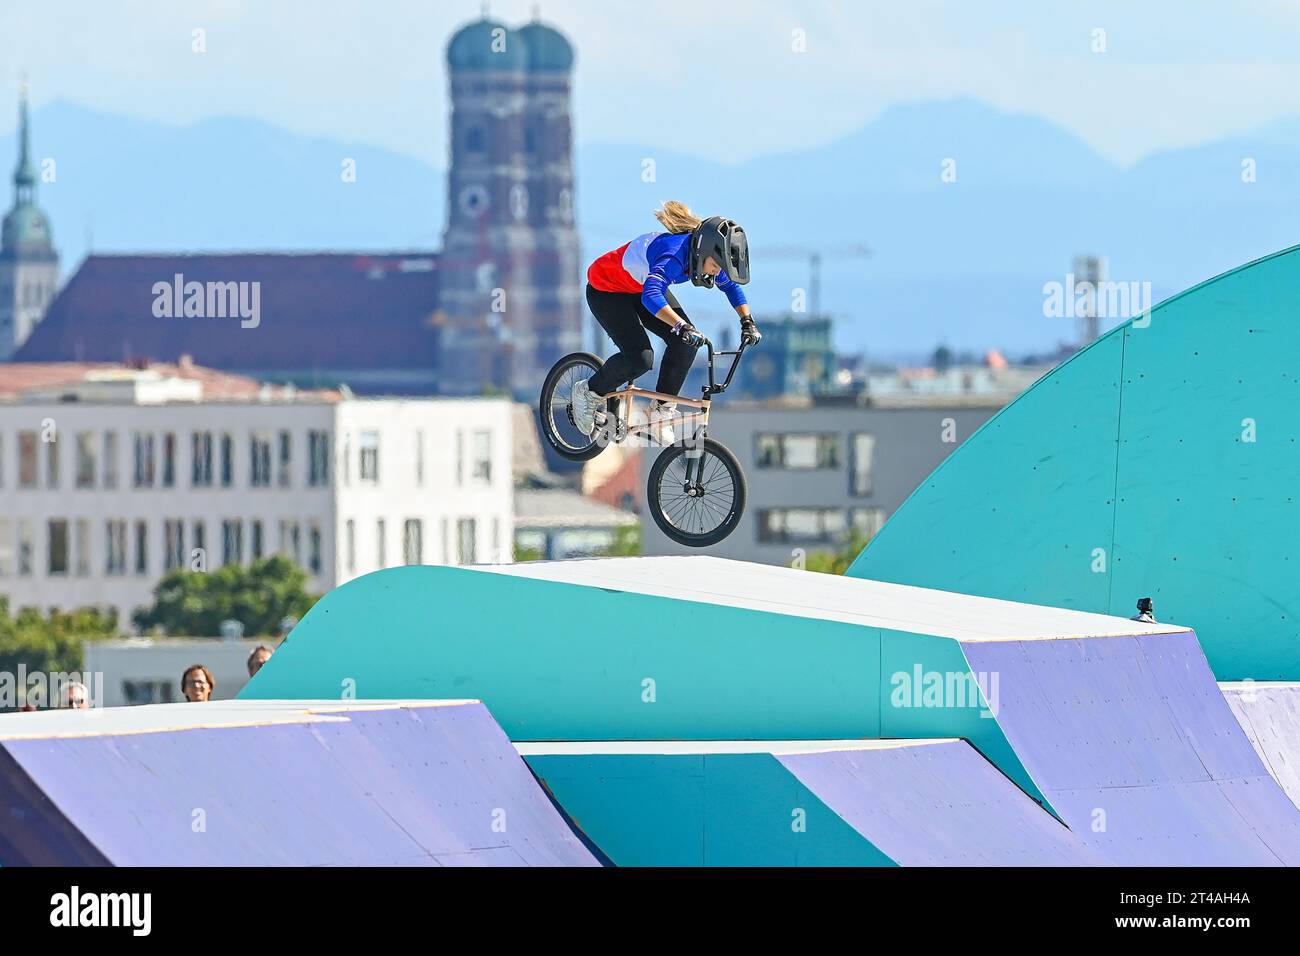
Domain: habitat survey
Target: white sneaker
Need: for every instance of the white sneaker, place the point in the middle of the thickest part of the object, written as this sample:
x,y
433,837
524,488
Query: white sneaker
x,y
585,404
661,422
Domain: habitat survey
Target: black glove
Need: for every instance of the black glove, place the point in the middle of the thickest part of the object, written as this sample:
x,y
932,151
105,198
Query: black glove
x,y
689,335
749,333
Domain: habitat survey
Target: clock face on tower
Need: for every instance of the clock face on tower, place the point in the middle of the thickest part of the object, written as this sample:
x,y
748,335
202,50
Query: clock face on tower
x,y
474,200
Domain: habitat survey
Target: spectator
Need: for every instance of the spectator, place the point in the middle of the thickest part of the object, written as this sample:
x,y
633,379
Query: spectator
x,y
76,696
197,684
259,657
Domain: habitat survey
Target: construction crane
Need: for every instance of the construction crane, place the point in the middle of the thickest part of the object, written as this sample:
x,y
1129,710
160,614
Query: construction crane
x,y
814,257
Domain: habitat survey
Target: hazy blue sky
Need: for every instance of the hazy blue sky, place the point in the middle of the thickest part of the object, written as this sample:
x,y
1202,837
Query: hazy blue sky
x,y
1175,72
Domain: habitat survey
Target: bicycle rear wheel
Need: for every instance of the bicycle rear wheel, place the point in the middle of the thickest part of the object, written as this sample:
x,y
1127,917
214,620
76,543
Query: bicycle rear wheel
x,y
556,411
697,494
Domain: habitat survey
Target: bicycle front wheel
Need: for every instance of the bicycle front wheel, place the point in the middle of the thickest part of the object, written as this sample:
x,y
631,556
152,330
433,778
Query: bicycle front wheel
x,y
697,494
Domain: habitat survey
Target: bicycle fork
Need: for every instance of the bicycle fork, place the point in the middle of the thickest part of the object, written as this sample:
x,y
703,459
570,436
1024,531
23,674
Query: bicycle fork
x,y
693,486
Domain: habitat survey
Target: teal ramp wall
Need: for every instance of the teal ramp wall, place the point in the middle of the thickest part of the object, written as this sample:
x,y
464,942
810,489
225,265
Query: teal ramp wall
x,y
558,661
700,810
1162,461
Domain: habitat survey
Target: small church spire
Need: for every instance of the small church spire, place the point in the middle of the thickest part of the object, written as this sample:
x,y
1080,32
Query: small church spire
x,y
24,173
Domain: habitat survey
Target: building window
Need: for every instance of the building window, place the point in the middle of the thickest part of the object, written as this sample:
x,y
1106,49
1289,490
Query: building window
x,y
259,453
201,463
114,547
286,451
232,541
136,692
169,459
381,543
347,458
466,547
58,546
110,460
797,452
419,459
867,521
369,451
802,525
482,467
52,462
141,547
81,547
144,460
227,461
173,544
25,549
314,547
291,541
350,545
256,528
318,454
199,539
86,459
27,462
413,541
474,141
864,448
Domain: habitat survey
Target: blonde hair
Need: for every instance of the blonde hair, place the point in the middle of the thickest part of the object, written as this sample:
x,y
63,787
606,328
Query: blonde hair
x,y
677,217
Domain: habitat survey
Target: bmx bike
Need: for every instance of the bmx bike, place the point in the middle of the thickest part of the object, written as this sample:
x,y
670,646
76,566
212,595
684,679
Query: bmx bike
x,y
696,488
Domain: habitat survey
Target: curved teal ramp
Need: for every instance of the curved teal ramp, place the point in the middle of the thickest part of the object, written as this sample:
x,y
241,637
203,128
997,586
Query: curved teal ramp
x,y
670,648
1161,461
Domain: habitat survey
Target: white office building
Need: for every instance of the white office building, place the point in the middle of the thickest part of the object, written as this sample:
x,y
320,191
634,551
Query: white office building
x,y
110,477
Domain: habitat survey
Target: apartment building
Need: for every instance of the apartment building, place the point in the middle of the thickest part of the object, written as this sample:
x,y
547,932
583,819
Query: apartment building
x,y
817,474
110,477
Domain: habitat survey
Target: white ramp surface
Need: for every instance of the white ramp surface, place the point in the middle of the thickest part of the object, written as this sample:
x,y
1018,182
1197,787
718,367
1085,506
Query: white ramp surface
x,y
763,587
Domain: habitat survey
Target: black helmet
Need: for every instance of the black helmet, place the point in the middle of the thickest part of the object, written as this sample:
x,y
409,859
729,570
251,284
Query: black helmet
x,y
725,241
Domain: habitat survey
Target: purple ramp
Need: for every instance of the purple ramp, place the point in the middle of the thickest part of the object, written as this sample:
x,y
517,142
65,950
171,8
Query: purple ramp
x,y
418,784
1269,713
1131,742
938,803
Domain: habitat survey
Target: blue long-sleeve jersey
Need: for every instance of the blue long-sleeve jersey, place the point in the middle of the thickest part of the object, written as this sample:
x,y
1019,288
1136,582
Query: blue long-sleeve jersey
x,y
649,264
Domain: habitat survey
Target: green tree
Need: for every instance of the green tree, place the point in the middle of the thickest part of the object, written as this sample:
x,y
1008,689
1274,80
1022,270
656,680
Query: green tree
x,y
627,543
258,595
52,643
527,554
837,562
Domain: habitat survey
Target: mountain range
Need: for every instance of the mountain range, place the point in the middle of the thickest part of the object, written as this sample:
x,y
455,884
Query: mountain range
x,y
959,259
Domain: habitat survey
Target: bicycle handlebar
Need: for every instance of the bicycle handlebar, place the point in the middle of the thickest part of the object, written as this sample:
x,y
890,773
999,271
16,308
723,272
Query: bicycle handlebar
x,y
713,388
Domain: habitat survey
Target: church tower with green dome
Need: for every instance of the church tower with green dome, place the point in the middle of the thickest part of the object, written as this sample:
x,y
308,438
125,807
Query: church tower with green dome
x,y
509,286
29,266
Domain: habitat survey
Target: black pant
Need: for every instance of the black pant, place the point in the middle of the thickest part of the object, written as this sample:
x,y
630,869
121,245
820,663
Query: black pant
x,y
622,315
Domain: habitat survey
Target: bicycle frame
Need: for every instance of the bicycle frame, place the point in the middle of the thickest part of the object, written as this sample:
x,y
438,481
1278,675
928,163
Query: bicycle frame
x,y
628,395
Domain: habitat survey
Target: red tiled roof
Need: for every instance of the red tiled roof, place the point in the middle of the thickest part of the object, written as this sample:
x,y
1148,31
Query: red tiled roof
x,y
623,485
317,311
19,377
